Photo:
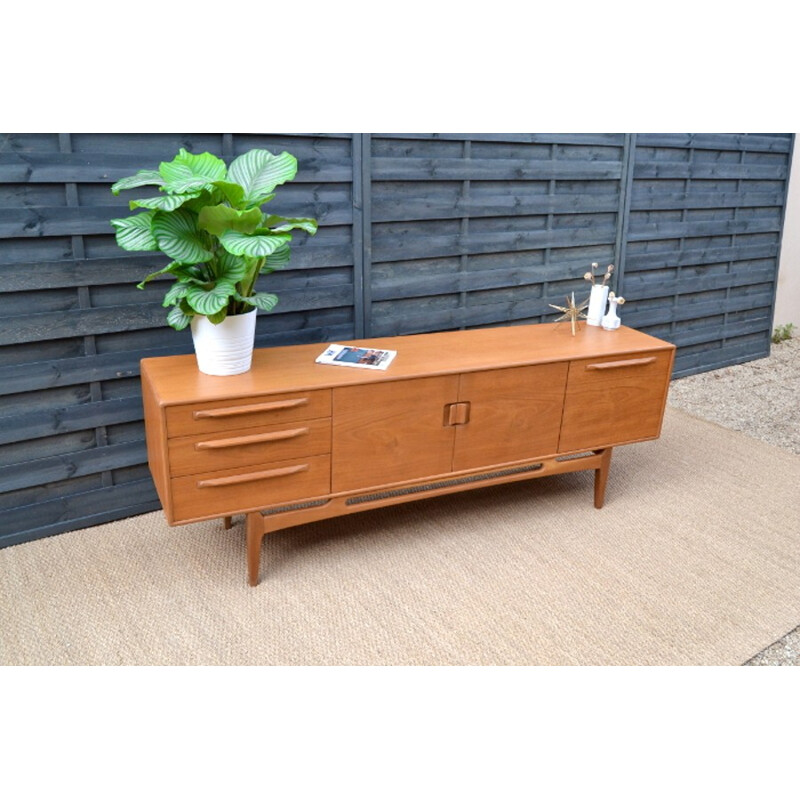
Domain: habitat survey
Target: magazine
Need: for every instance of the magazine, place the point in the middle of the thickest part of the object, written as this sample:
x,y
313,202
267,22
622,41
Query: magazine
x,y
362,357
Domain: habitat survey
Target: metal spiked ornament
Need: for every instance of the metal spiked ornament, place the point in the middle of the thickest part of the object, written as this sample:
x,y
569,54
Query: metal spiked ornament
x,y
571,312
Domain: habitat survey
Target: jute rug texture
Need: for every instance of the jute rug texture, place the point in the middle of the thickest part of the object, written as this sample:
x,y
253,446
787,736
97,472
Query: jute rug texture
x,y
694,560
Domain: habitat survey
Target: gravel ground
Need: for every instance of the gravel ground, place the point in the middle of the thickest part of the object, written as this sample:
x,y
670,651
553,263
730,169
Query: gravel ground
x,y
762,399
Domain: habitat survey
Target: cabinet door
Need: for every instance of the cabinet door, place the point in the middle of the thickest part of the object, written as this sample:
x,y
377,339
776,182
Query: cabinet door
x,y
615,400
514,414
391,432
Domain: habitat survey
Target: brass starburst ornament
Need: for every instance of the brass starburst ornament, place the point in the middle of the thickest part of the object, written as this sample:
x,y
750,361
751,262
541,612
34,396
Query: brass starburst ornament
x,y
571,312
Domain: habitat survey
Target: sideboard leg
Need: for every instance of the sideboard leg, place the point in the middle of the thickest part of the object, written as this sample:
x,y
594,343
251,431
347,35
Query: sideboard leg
x,y
601,477
255,535
227,522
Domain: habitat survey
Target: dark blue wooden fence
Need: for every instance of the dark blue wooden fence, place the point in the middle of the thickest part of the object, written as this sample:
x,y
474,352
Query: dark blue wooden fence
x,y
418,232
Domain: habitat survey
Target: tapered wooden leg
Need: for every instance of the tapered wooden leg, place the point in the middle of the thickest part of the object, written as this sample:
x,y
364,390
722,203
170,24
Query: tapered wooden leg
x,y
601,477
228,523
255,535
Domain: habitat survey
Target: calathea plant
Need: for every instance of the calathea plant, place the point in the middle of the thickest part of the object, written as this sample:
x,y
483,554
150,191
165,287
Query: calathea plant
x,y
207,219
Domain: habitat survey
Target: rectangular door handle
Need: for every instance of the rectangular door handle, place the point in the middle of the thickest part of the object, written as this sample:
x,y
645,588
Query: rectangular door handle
x,y
456,414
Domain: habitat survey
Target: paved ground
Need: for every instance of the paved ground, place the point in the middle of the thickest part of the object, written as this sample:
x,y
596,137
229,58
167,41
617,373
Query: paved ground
x,y
762,399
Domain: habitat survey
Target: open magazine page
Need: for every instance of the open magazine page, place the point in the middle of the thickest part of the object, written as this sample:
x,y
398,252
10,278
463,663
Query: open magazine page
x,y
362,357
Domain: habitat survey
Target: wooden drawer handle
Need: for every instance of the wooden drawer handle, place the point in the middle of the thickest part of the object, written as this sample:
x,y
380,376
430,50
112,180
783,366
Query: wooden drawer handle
x,y
631,362
277,436
234,411
251,476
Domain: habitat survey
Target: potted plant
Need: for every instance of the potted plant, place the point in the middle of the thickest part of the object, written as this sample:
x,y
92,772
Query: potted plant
x,y
207,218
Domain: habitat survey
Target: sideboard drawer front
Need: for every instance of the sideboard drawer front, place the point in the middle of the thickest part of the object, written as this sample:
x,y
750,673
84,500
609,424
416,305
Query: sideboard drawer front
x,y
247,412
207,452
615,400
232,491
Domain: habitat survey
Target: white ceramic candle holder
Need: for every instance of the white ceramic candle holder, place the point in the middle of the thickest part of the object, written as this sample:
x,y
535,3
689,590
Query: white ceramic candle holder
x,y
611,321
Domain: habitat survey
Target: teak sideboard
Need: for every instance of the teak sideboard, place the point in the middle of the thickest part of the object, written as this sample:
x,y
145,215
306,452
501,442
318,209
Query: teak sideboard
x,y
292,441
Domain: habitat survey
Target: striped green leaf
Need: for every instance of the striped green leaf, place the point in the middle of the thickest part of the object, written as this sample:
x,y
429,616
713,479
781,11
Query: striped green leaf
x,y
144,177
261,243
231,267
215,319
259,172
277,260
178,318
136,233
261,300
188,172
210,301
178,236
221,218
164,202
170,268
175,294
232,192
288,223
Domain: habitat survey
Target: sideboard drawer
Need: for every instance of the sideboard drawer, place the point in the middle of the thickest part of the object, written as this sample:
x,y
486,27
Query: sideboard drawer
x,y
615,400
231,491
188,420
207,452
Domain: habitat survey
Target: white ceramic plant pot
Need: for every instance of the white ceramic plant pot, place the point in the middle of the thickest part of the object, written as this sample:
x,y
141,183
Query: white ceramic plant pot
x,y
597,304
227,348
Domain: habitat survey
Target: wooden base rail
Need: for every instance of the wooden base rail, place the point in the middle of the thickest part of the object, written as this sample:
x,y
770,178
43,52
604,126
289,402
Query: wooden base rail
x,y
259,523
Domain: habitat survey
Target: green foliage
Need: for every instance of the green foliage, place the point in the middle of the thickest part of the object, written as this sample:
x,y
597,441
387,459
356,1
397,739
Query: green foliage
x,y
782,333
207,219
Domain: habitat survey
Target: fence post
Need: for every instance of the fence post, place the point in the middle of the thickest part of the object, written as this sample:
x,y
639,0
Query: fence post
x,y
624,213
362,234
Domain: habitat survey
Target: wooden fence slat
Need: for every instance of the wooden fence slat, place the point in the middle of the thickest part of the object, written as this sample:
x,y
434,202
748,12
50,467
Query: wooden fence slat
x,y
110,167
491,169
36,424
80,510
82,322
703,170
687,257
714,141
696,229
636,286
83,221
37,375
714,333
390,209
685,311
688,363
402,248
453,283
87,462
645,200
523,138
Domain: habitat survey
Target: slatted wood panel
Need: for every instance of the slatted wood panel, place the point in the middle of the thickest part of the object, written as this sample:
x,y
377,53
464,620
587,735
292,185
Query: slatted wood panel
x,y
702,243
418,232
487,230
75,327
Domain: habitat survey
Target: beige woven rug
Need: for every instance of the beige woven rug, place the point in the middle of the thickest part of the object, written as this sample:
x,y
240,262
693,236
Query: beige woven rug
x,y
694,560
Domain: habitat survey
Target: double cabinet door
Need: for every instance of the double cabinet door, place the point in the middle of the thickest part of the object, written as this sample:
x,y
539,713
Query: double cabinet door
x,y
393,431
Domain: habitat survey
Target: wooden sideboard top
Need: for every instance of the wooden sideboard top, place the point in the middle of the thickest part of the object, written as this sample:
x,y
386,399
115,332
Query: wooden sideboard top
x,y
292,368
